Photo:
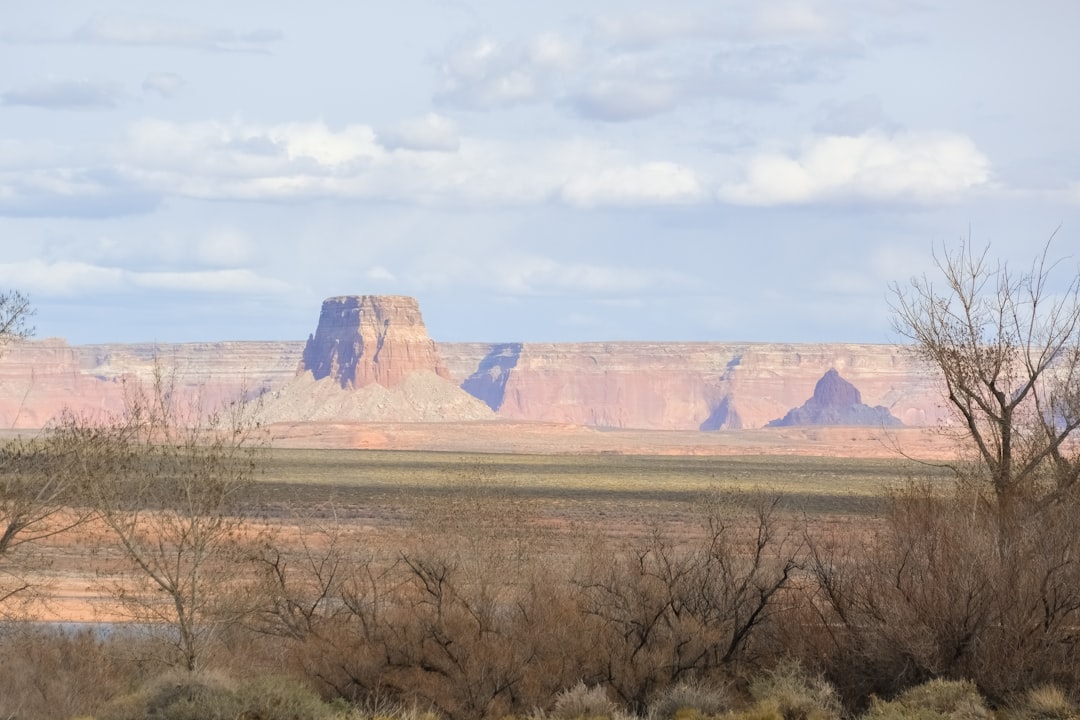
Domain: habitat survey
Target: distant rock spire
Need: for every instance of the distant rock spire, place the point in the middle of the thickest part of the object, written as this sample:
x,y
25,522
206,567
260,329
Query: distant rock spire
x,y
836,402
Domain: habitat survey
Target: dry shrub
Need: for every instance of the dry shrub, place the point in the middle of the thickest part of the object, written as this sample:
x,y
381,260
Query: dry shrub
x,y
1045,702
950,587
667,609
582,702
934,700
472,621
56,673
209,696
789,692
687,699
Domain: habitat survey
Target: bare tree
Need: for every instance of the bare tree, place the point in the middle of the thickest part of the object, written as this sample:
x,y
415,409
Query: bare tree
x,y
15,314
978,580
33,491
1007,345
167,479
38,501
669,610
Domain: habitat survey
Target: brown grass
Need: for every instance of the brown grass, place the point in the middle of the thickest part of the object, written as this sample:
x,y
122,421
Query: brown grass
x,y
381,497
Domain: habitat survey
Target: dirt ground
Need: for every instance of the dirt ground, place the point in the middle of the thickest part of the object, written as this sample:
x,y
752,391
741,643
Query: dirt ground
x,y
507,437
78,568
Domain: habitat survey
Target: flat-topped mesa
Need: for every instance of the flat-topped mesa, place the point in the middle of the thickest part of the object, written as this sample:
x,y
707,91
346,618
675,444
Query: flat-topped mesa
x,y
364,339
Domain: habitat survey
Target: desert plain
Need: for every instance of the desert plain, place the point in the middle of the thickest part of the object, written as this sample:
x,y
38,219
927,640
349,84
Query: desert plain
x,y
383,485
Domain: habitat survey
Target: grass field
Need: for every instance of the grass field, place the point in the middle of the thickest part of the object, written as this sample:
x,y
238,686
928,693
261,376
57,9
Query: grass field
x,y
357,478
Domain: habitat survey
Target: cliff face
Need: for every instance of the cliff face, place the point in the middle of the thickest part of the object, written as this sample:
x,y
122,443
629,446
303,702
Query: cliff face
x,y
41,378
690,386
365,339
615,385
378,342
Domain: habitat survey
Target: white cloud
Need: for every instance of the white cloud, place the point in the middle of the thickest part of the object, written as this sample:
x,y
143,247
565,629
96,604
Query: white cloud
x,y
913,167
297,161
324,146
65,95
61,279
648,183
60,191
237,281
213,160
146,30
478,72
555,52
432,132
637,65
165,84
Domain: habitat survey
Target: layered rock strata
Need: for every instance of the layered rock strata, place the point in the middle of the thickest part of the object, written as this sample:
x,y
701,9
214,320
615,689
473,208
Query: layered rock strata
x,y
380,342
690,386
371,360
365,339
39,379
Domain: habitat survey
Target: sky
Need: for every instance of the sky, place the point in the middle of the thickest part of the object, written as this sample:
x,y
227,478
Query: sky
x,y
693,170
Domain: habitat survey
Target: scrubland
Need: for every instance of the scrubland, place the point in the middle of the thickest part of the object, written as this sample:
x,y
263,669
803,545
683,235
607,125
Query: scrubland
x,y
378,584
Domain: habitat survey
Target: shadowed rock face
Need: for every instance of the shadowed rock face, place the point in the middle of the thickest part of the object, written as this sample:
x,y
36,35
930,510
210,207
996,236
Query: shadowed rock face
x,y
836,402
364,339
488,383
723,417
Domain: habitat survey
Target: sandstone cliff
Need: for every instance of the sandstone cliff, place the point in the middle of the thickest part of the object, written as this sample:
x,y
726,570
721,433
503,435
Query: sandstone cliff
x,y
39,379
379,342
371,360
662,386
364,339
685,386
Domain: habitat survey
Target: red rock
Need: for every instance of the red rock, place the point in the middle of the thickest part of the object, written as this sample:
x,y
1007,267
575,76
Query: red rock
x,y
364,339
690,386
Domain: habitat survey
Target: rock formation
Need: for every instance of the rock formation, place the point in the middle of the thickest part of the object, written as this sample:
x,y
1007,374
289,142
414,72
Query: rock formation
x,y
371,360
691,386
836,402
378,342
364,339
41,378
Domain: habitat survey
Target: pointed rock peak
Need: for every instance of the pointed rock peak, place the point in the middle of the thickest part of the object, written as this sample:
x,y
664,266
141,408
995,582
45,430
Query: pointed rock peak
x,y
836,402
834,391
364,339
